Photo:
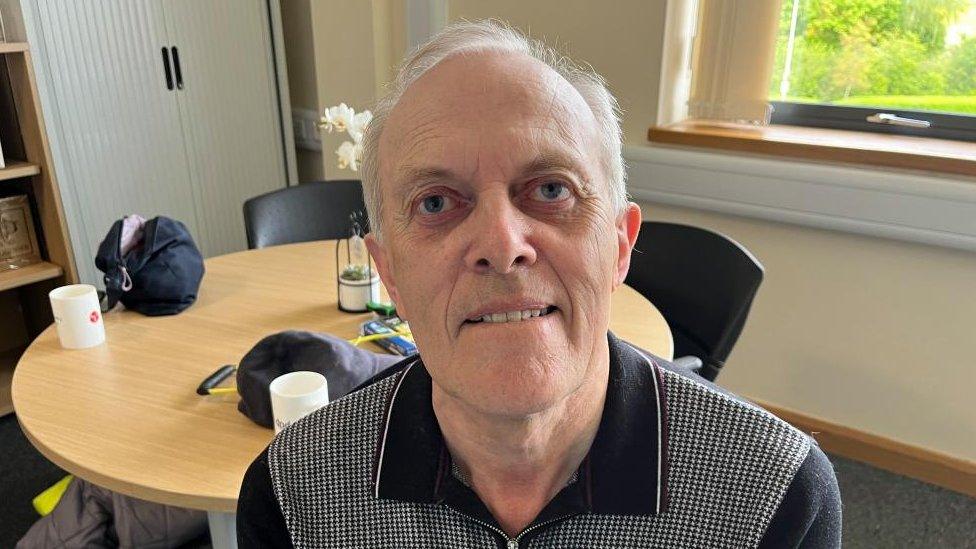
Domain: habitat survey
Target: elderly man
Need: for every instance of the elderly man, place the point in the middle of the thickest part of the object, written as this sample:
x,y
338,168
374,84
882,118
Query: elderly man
x,y
494,177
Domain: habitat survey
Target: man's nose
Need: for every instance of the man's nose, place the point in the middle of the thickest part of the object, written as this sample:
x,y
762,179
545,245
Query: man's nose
x,y
499,237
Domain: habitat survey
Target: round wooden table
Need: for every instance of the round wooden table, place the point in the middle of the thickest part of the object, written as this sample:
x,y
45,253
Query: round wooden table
x,y
125,414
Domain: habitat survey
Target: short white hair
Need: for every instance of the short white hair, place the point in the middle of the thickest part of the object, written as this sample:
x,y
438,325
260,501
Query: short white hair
x,y
494,35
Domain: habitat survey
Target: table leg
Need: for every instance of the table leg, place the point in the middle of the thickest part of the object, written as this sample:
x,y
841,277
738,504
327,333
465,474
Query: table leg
x,y
223,529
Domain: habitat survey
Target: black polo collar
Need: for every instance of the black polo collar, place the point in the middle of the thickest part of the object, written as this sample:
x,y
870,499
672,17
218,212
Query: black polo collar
x,y
624,473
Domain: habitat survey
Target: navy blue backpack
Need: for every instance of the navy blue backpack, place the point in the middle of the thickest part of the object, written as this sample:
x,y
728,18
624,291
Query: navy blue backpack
x,y
159,276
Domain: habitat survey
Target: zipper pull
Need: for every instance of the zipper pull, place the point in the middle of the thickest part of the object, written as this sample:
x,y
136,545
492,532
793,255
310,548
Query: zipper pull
x,y
512,544
126,279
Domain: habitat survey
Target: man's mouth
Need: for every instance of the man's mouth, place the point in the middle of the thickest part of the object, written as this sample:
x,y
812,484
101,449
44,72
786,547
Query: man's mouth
x,y
512,316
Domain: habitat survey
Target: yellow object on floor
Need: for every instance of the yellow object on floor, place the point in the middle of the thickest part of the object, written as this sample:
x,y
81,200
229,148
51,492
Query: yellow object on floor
x,y
46,501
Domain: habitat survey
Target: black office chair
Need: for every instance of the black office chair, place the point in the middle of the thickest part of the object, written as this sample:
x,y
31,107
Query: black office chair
x,y
306,212
703,283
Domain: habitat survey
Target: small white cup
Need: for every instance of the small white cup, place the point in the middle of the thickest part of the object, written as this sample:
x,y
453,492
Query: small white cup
x,y
295,395
78,316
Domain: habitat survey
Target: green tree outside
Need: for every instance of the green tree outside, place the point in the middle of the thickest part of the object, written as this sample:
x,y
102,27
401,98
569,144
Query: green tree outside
x,y
894,53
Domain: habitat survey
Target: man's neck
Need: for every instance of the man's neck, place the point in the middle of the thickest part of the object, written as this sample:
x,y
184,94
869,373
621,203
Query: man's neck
x,y
516,465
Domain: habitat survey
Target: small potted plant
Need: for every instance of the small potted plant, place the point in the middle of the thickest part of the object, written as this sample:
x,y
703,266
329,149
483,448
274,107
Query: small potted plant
x,y
358,283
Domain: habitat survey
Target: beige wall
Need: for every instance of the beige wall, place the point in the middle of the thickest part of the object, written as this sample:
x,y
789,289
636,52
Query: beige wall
x,y
874,334
870,333
622,39
338,51
345,65
389,39
296,21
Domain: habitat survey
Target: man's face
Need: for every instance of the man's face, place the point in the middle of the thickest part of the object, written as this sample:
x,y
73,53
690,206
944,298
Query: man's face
x,y
496,208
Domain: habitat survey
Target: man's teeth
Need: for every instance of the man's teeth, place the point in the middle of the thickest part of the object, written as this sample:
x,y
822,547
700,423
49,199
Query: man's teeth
x,y
513,316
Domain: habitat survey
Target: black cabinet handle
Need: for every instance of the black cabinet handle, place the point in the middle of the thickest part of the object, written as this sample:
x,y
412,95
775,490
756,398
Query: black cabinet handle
x,y
166,68
179,70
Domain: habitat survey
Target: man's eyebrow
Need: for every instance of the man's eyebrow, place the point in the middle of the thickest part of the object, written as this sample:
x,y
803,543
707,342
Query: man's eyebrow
x,y
410,177
552,161
411,174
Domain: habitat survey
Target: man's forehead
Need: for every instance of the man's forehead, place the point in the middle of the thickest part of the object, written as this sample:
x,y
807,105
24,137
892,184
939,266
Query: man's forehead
x,y
504,97
484,76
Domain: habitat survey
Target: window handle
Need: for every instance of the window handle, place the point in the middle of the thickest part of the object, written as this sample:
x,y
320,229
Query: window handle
x,y
894,120
166,68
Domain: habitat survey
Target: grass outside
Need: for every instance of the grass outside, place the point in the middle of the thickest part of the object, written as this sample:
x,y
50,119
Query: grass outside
x,y
954,104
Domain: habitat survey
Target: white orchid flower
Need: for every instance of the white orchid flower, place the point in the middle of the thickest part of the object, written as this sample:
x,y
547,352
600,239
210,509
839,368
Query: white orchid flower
x,y
358,125
349,155
337,118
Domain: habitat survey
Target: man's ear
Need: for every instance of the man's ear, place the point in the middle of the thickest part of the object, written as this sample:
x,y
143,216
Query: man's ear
x,y
382,261
628,225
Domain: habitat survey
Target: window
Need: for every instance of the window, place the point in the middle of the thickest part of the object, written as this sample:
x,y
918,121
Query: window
x,y
892,66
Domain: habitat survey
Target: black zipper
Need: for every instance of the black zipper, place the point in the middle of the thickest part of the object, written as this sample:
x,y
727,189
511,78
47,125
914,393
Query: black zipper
x,y
511,543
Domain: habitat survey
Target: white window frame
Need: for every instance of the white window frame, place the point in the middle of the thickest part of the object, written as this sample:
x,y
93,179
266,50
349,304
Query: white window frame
x,y
904,205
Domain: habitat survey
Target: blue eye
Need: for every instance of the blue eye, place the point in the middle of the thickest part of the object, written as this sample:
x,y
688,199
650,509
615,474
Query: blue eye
x,y
435,204
552,191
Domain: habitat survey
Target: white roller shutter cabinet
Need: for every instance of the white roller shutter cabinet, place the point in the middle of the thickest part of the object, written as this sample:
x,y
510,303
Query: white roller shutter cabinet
x,y
160,107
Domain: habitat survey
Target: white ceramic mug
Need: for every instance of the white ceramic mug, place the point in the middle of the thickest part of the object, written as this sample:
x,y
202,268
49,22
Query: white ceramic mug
x,y
295,395
78,316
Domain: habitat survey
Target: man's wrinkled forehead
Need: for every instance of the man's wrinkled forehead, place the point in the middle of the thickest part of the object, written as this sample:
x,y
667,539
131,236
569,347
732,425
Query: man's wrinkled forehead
x,y
478,93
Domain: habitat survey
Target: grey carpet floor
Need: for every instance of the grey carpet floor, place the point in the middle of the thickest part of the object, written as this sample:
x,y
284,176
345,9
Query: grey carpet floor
x,y
24,473
881,509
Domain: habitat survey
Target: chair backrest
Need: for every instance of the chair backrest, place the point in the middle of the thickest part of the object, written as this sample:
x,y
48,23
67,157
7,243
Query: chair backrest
x,y
703,283
306,212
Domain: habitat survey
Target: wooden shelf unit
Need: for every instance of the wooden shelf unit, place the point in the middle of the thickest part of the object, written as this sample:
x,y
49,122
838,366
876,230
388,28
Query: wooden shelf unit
x,y
30,274
24,308
13,47
16,169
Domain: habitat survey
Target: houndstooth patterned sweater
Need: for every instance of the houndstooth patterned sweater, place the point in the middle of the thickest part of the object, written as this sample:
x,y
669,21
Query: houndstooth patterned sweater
x,y
676,463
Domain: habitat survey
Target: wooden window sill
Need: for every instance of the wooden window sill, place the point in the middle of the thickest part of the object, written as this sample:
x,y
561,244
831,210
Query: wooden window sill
x,y
825,145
